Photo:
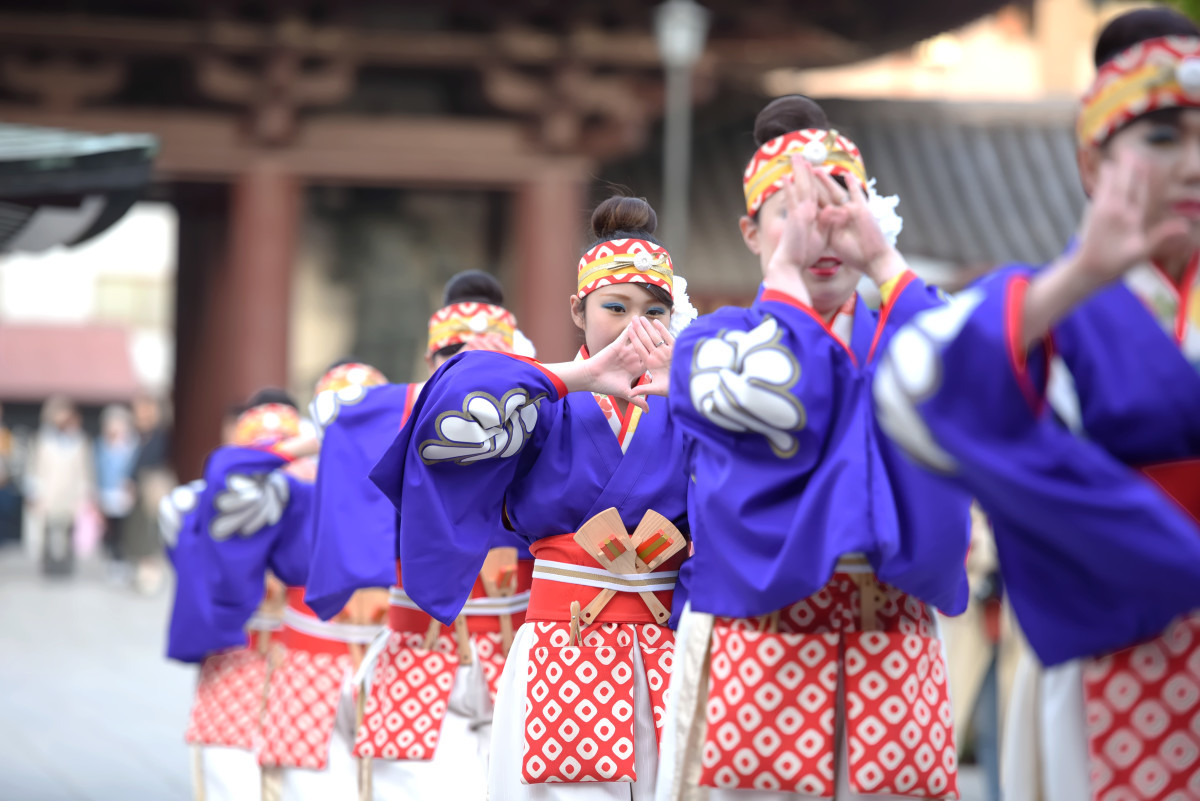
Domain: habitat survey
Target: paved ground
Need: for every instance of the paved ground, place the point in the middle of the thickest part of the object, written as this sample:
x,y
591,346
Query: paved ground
x,y
89,708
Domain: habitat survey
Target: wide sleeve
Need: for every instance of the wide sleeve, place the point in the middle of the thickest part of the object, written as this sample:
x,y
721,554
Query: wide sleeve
x,y
777,452
478,420
931,512
754,376
354,523
191,634
1093,556
253,516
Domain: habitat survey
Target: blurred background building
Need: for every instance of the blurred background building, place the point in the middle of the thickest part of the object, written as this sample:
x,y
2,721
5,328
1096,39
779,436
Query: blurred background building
x,y
325,167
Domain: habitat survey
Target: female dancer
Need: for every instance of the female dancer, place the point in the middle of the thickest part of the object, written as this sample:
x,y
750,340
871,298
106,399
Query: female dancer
x,y
808,659
225,726
426,714
254,517
1066,400
556,453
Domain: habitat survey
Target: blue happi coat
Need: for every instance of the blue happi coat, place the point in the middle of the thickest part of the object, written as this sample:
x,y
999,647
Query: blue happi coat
x,y
245,517
495,448
1094,555
789,470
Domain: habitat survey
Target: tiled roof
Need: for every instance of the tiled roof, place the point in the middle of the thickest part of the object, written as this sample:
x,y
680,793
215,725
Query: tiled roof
x,y
63,187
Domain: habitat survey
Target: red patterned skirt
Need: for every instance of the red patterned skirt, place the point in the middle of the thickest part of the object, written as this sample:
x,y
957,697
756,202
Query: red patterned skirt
x,y
766,713
1142,707
306,686
414,674
230,694
582,707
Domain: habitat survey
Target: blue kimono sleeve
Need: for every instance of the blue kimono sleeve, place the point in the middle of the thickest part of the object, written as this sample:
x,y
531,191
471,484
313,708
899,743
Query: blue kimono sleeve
x,y
910,297
253,517
778,465
354,524
478,420
1093,556
932,513
191,635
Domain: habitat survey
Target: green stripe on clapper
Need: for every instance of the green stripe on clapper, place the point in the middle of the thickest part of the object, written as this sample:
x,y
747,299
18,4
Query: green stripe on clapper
x,y
652,548
613,548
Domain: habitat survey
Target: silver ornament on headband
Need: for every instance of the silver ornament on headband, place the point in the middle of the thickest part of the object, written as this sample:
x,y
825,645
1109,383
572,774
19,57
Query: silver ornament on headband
x,y
478,324
642,260
1187,73
815,152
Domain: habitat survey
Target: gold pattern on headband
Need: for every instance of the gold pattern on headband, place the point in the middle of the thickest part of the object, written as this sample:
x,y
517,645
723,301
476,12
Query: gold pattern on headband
x,y
627,262
771,164
462,322
1150,76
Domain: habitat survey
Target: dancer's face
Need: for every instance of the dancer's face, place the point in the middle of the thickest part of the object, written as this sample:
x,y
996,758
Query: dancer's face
x,y
829,280
1168,143
605,312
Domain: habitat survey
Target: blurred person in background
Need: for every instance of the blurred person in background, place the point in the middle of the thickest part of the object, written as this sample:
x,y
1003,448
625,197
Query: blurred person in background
x,y
116,456
59,485
153,479
10,494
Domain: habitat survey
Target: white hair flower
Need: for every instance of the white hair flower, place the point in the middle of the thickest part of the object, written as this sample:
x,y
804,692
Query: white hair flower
x,y
684,312
523,345
883,209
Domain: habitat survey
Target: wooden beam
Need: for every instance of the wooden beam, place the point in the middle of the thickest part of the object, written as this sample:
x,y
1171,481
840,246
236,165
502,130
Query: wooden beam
x,y
790,44
327,149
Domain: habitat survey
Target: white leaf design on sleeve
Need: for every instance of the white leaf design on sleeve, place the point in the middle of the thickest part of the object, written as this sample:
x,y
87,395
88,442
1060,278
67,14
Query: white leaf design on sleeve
x,y
248,503
326,406
486,428
742,381
911,371
174,506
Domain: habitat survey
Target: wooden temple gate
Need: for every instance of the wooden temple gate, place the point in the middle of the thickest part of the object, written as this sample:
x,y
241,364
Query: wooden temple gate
x,y
253,103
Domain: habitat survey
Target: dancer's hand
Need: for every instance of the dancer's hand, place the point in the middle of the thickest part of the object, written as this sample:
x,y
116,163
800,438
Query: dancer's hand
x,y
854,233
1114,239
803,240
656,347
613,371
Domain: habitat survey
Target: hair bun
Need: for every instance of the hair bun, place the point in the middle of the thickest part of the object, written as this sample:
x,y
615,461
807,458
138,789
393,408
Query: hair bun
x,y
1139,25
269,395
623,215
473,286
786,114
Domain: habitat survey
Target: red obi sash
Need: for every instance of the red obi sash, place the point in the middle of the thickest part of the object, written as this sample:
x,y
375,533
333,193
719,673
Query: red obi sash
x,y
1180,481
482,612
564,572
303,630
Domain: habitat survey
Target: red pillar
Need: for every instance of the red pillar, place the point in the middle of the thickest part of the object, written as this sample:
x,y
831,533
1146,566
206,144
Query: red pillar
x,y
264,217
236,246
200,395
549,219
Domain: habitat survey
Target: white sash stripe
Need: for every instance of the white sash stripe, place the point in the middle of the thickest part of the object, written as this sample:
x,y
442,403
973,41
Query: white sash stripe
x,y
338,632
264,623
585,576
853,563
480,607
